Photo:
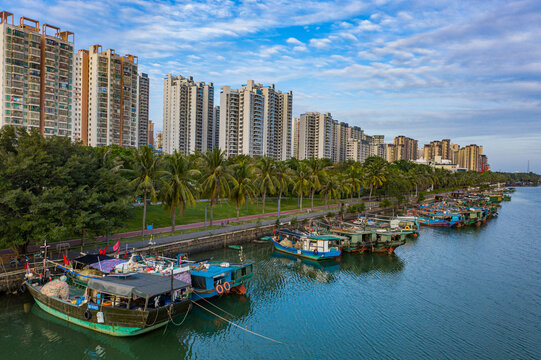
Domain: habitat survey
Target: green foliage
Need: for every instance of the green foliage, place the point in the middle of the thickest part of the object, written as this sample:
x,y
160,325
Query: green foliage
x,y
420,197
294,221
52,189
386,203
356,208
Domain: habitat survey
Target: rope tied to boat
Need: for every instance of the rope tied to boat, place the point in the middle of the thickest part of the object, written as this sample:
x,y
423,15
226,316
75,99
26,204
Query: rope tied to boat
x,y
240,327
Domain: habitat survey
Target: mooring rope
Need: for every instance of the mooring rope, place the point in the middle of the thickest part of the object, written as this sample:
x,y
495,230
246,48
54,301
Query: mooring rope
x,y
216,307
240,327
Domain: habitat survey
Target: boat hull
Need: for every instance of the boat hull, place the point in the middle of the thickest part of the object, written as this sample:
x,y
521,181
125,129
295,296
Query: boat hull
x,y
117,322
304,253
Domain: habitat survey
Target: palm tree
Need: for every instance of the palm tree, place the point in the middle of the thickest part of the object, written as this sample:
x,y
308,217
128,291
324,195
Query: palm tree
x,y
330,189
178,184
282,173
356,176
217,177
143,170
301,180
266,180
317,175
376,170
244,188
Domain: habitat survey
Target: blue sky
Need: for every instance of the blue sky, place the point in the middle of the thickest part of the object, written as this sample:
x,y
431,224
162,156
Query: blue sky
x,y
468,70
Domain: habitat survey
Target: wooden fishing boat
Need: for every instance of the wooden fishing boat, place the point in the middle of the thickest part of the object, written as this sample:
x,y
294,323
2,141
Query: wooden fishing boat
x,y
439,220
118,306
208,278
308,246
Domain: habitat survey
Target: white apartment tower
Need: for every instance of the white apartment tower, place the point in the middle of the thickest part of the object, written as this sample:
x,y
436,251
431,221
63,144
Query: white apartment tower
x,y
316,136
188,115
35,76
256,120
106,97
143,134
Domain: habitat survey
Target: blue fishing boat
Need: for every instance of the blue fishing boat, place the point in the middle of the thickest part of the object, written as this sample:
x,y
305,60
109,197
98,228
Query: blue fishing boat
x,y
308,246
212,278
439,220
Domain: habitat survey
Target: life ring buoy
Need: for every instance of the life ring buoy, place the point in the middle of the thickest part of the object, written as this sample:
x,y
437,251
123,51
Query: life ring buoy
x,y
316,252
220,289
87,315
227,286
407,227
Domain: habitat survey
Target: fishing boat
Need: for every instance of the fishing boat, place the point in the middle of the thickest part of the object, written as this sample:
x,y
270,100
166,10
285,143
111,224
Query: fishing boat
x,y
212,278
308,246
114,305
439,220
207,278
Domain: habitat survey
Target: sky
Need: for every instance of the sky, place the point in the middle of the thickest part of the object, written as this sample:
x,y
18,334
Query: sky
x,y
427,69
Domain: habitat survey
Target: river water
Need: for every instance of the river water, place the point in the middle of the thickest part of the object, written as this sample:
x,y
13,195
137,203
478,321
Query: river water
x,y
450,294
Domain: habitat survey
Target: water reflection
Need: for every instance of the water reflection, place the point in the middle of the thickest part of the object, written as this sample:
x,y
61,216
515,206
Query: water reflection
x,y
320,271
359,264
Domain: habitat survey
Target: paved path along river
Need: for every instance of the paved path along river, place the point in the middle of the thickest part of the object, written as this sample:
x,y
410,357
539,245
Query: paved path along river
x,y
451,294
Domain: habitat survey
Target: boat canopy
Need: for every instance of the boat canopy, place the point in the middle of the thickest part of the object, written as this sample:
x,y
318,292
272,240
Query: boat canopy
x,y
143,285
323,237
91,259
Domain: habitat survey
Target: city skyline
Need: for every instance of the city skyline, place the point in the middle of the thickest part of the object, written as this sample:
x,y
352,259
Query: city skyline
x,y
453,70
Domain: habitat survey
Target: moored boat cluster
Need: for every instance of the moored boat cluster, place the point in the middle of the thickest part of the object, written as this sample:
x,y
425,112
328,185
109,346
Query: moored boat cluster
x,y
126,297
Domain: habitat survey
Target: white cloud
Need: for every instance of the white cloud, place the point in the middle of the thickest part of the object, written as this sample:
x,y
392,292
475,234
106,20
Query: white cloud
x,y
294,41
320,43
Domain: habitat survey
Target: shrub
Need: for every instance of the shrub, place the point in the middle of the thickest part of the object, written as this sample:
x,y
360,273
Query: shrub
x,y
420,197
294,221
386,203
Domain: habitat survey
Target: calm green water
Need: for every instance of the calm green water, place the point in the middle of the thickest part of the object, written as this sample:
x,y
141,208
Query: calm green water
x,y
456,294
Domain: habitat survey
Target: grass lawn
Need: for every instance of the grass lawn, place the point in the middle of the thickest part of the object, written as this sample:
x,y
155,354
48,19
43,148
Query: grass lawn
x,y
159,216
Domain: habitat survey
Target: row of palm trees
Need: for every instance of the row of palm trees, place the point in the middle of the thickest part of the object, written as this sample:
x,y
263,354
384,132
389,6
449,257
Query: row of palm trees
x,y
177,180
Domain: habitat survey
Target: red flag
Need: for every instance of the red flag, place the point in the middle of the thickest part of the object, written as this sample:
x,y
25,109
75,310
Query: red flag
x,y
100,252
126,253
26,265
105,250
116,246
66,261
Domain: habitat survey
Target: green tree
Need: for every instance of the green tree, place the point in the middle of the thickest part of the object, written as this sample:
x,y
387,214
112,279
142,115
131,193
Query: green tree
x,y
179,188
266,179
143,170
283,176
301,180
216,177
376,172
243,189
318,172
330,189
52,189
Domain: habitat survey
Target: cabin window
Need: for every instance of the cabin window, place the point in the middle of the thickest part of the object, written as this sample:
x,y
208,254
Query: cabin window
x,y
199,282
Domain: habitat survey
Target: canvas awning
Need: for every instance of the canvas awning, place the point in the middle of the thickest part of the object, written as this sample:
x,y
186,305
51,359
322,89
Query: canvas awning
x,y
143,285
91,259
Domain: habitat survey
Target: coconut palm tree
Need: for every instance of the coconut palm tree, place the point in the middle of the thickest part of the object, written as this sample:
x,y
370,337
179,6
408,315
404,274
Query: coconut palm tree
x,y
330,189
376,171
216,177
266,179
144,172
179,186
283,174
356,176
318,172
301,180
243,189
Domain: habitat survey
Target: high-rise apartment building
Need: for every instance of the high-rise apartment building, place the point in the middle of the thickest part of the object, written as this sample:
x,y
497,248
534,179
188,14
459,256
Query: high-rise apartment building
x,y
188,115
36,74
106,93
215,127
469,157
159,140
454,148
341,131
377,146
406,148
316,136
150,135
256,120
143,134
295,138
